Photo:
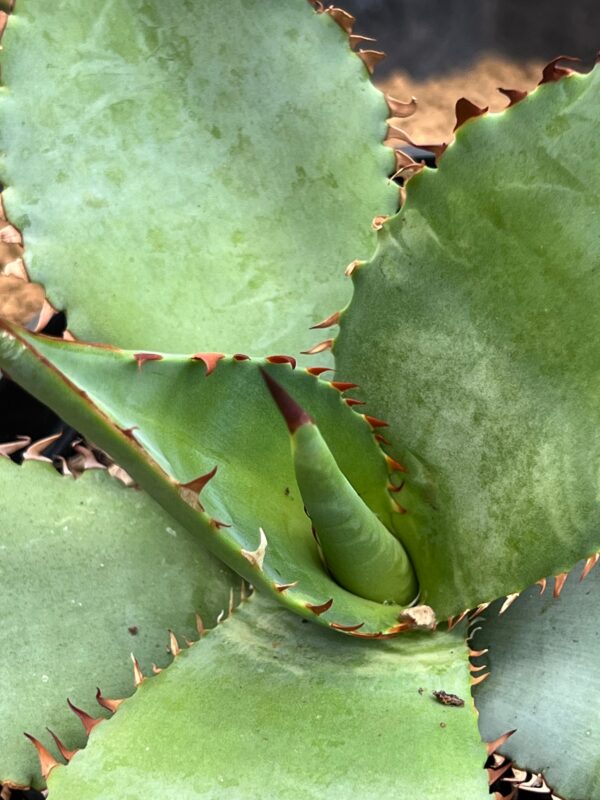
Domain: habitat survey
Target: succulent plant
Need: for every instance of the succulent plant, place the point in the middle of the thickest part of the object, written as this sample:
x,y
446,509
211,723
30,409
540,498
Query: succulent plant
x,y
194,178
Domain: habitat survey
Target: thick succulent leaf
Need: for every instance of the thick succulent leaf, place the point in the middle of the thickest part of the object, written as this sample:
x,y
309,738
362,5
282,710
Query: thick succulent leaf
x,y
544,682
81,563
184,174
267,706
168,420
474,332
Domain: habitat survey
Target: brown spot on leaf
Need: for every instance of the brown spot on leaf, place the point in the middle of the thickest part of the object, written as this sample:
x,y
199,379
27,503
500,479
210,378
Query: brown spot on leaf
x,y
447,699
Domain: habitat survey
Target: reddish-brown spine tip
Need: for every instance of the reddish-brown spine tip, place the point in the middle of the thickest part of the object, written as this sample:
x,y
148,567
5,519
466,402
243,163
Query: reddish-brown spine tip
x,y
320,609
343,386
282,360
210,360
65,752
283,587
241,357
217,524
352,267
294,415
332,319
552,71
316,371
401,108
352,401
479,679
378,222
107,703
394,489
174,647
497,743
514,95
394,465
356,39
346,628
466,110
128,432
141,358
343,18
47,760
318,348
371,58
559,582
88,722
589,565
199,483
374,422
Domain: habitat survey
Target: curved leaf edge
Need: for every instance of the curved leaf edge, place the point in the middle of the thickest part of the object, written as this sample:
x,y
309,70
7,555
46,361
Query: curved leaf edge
x,y
502,765
49,761
14,262
467,115
181,500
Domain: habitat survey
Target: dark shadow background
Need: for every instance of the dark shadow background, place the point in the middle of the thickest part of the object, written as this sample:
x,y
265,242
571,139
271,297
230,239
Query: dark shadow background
x,y
429,37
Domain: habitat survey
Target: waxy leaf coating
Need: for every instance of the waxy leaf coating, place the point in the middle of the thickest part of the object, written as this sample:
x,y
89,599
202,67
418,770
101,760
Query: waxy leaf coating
x,y
186,174
178,427
474,333
89,572
266,706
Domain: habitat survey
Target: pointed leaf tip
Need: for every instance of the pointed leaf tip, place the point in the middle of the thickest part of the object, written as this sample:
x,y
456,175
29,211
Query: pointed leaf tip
x,y
294,415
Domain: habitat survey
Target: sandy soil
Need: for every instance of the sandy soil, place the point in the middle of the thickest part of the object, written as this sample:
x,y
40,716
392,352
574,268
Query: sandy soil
x,y
436,96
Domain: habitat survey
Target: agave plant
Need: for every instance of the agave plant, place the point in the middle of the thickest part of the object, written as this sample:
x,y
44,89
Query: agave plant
x,y
194,178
